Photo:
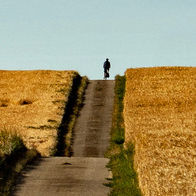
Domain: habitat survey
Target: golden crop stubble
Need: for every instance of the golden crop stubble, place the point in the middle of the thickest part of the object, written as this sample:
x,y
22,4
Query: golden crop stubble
x,y
160,117
32,103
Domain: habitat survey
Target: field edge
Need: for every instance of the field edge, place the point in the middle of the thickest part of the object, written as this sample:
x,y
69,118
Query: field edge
x,y
72,108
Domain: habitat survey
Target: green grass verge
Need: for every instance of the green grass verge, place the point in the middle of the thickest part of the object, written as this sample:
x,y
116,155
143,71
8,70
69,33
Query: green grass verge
x,y
14,156
124,181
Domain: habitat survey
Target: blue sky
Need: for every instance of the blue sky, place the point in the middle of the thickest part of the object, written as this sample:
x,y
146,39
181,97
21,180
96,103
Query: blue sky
x,y
80,35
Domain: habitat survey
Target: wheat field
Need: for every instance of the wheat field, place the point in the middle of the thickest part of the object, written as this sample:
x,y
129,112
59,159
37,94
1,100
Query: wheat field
x,y
32,105
160,119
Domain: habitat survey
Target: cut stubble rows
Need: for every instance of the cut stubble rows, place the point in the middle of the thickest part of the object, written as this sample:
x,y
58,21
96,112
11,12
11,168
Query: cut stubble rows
x,y
32,104
160,118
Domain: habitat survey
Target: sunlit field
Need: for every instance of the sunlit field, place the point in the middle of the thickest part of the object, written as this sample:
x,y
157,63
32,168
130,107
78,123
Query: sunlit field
x,y
32,105
160,119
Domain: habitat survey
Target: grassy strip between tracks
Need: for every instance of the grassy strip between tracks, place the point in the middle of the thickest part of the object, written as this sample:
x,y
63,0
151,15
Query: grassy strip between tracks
x,y
124,181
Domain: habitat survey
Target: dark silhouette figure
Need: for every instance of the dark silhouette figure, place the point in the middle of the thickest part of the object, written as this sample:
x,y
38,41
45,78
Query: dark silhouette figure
x,y
106,67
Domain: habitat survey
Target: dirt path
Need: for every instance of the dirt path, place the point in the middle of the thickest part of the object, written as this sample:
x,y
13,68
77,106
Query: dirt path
x,y
92,131
85,172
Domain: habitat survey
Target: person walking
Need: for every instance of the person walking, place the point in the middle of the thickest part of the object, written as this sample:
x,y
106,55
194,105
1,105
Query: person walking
x,y
106,67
